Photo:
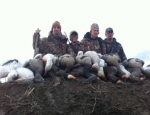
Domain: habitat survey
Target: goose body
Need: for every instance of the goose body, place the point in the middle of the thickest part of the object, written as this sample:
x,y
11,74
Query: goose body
x,y
20,76
37,66
83,59
133,63
95,59
48,58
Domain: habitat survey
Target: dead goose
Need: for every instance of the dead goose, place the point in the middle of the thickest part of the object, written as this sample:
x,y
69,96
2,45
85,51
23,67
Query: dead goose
x,y
125,71
38,56
57,81
4,71
133,62
95,59
19,76
66,61
110,72
7,66
92,79
102,61
10,61
102,64
146,71
84,71
114,60
136,75
111,59
62,74
96,63
83,59
14,63
48,58
37,66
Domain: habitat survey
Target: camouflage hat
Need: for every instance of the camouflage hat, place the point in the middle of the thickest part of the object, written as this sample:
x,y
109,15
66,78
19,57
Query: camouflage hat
x,y
56,23
73,33
109,30
94,26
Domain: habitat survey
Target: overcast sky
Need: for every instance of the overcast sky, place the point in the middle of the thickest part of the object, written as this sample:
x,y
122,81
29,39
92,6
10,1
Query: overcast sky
x,y
130,20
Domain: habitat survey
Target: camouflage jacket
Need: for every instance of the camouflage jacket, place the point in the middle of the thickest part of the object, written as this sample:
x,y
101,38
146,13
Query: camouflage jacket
x,y
74,48
115,47
53,45
91,44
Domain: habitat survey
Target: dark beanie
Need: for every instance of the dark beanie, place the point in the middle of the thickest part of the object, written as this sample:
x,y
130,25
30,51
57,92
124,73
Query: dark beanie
x,y
56,23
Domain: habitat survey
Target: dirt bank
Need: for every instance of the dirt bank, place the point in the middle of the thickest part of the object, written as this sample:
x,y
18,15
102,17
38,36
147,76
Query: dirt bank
x,y
75,98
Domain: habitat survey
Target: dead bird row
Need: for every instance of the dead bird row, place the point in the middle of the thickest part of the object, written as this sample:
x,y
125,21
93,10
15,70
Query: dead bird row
x,y
90,65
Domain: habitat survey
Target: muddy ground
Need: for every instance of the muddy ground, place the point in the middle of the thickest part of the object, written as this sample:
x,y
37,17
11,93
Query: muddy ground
x,y
73,97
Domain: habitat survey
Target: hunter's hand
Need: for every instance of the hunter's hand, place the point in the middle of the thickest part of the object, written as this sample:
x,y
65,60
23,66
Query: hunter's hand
x,y
37,31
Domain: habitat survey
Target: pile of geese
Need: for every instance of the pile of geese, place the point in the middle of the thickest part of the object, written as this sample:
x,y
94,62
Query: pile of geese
x,y
90,65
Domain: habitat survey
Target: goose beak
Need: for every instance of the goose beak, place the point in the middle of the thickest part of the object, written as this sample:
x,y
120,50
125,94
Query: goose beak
x,y
71,77
95,66
56,83
143,78
119,82
125,77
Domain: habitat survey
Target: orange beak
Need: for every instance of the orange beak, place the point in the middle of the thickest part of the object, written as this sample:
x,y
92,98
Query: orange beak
x,y
71,77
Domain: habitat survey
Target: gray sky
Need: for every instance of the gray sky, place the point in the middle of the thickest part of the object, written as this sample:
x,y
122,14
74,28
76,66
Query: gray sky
x,y
19,19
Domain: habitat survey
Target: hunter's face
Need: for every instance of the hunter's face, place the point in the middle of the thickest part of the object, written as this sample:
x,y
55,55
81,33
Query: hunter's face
x,y
56,29
74,38
109,35
94,33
